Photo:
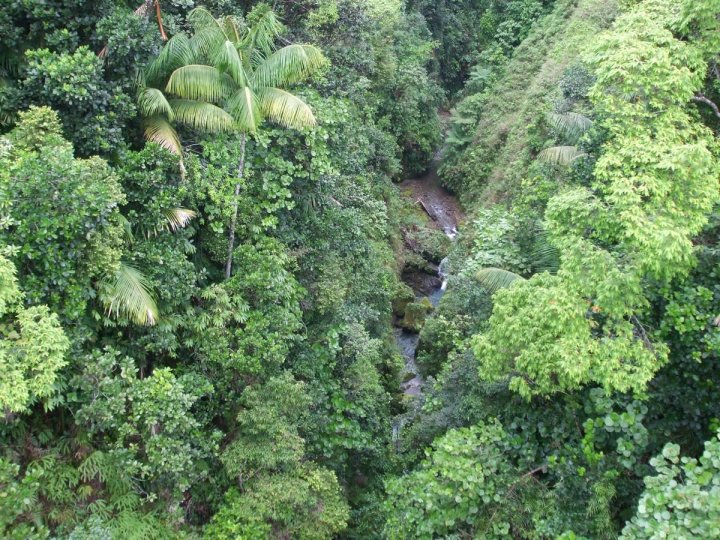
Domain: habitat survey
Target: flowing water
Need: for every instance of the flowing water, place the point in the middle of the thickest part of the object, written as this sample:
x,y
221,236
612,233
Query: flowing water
x,y
444,212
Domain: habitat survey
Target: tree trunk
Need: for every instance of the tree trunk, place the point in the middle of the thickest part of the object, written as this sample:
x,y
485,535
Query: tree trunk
x,y
233,222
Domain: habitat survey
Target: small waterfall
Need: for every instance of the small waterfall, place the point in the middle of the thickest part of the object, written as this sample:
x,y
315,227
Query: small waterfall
x,y
443,211
443,273
451,232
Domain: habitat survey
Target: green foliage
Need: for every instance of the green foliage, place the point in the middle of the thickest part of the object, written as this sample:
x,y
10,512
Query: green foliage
x,y
498,129
636,166
416,314
150,422
56,201
93,113
268,439
378,58
465,486
682,499
249,323
18,496
128,292
32,348
559,349
494,279
220,89
261,405
305,504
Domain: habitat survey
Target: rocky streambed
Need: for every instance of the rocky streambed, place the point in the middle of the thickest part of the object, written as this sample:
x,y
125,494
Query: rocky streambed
x,y
427,242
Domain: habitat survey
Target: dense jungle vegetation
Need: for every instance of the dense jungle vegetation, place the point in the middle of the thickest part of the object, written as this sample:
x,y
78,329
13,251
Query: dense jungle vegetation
x,y
204,259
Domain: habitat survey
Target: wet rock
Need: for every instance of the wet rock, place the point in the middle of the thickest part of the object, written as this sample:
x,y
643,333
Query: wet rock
x,y
431,244
417,263
404,295
422,283
416,313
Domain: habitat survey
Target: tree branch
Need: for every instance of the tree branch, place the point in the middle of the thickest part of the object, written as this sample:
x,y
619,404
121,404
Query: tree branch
x,y
701,98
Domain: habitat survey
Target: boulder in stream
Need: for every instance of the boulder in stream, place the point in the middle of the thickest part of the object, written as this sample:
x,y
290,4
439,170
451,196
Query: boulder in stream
x,y
416,313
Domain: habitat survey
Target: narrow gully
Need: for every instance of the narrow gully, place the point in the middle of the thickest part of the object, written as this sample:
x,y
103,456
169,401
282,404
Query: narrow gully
x,y
444,212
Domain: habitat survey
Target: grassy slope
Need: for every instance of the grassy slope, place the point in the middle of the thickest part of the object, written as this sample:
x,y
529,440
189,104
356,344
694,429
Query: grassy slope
x,y
492,167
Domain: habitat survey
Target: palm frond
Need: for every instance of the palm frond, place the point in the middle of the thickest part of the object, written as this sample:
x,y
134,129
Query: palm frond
x,y
127,293
265,28
174,220
494,279
205,41
209,33
288,65
152,101
544,256
196,81
232,27
202,116
127,228
228,60
245,108
176,52
201,17
570,124
285,109
178,218
561,155
159,130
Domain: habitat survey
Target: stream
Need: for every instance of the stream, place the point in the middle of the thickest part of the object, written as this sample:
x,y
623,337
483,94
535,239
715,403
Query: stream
x,y
444,211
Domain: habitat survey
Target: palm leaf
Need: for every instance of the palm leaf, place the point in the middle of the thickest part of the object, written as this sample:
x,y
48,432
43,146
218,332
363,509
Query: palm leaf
x,y
152,101
494,279
209,33
128,294
202,116
228,60
178,218
285,108
264,30
288,65
159,130
174,220
232,28
176,52
201,17
561,155
571,124
205,42
245,108
127,228
544,256
200,82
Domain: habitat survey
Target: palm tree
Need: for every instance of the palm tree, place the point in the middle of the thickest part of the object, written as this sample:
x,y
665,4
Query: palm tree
x,y
493,279
572,125
126,292
228,78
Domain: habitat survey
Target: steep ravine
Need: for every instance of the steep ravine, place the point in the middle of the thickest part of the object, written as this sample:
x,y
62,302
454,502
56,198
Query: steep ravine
x,y
444,214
